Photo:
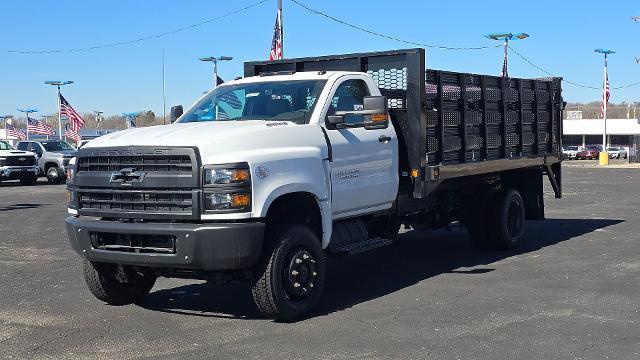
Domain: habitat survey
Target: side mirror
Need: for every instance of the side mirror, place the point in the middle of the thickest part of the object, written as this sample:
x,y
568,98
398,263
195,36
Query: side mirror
x,y
176,112
377,112
335,121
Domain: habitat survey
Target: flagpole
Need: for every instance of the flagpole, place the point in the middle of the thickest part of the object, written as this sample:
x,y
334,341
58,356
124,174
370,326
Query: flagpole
x,y
281,32
164,98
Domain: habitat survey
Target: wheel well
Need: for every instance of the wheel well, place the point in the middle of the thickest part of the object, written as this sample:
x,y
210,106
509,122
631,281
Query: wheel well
x,y
298,208
48,165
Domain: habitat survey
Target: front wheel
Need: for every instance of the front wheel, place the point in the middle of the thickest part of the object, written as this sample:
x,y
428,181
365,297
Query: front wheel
x,y
290,276
53,176
117,284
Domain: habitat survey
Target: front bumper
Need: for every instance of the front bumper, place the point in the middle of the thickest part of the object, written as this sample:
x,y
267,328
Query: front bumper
x,y
206,247
17,172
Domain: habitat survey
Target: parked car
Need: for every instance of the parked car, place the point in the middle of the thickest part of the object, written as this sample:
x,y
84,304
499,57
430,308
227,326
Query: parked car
x,y
591,152
570,152
617,152
53,156
17,165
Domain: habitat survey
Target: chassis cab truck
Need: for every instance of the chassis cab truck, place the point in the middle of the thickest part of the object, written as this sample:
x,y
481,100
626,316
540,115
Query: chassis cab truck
x,y
266,176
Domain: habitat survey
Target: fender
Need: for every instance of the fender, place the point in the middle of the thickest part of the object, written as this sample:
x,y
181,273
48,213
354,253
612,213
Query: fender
x,y
274,179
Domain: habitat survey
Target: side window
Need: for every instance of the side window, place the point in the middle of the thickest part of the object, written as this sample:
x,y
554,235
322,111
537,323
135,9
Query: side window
x,y
349,96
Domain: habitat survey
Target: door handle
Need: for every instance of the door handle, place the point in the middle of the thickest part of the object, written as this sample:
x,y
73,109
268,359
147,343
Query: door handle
x,y
384,138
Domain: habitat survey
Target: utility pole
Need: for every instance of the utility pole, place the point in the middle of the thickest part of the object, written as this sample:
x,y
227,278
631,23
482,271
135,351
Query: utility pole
x,y
505,37
58,84
27,112
164,97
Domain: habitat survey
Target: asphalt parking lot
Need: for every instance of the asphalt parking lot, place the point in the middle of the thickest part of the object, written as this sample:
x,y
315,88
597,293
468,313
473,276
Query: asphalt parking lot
x,y
573,292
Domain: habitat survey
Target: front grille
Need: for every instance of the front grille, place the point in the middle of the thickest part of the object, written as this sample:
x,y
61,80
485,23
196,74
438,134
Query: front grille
x,y
20,161
173,163
145,201
136,243
166,185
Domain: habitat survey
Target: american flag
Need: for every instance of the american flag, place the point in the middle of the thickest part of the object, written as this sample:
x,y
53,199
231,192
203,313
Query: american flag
x,y
70,133
67,111
11,131
606,92
231,99
39,127
276,42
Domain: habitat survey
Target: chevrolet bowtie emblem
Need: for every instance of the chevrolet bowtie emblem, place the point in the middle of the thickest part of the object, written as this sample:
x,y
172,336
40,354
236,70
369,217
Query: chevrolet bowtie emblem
x,y
127,176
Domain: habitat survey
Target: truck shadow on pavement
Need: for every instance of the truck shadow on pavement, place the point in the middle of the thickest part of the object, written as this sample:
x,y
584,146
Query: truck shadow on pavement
x,y
353,280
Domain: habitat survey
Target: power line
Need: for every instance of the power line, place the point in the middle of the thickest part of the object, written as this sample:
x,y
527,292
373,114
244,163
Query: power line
x,y
568,81
150,37
389,37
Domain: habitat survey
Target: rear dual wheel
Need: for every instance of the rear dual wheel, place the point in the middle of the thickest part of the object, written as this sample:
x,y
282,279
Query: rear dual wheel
x,y
501,226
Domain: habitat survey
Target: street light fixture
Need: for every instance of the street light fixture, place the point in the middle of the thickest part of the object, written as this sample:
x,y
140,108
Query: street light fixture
x,y
5,119
129,117
98,118
58,84
215,60
505,38
27,112
636,18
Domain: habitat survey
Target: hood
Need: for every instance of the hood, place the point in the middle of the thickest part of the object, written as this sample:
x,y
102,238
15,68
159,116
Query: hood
x,y
65,153
187,134
4,153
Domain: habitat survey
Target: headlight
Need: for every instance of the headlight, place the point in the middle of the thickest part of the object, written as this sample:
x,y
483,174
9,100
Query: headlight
x,y
70,173
227,175
231,202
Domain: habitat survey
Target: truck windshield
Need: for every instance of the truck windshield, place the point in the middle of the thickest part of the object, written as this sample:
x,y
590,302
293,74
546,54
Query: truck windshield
x,y
275,100
5,146
57,146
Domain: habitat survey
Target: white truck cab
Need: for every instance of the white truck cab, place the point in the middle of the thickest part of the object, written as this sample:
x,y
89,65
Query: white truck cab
x,y
266,175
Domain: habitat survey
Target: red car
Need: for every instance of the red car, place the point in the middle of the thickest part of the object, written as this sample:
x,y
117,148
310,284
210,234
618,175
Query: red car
x,y
591,152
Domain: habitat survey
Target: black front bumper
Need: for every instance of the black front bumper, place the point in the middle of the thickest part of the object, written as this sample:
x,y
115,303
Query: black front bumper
x,y
207,247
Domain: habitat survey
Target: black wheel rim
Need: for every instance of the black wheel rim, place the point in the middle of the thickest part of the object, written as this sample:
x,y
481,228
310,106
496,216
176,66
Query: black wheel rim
x,y
299,274
514,219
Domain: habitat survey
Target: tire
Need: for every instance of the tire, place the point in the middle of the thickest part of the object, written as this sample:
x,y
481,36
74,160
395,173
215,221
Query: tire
x,y
102,280
29,180
290,275
53,176
506,222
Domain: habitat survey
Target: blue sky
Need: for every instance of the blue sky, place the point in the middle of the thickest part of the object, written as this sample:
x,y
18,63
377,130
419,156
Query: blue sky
x,y
129,78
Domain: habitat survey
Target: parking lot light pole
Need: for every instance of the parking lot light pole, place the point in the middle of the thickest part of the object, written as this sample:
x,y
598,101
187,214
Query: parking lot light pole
x,y
27,112
505,38
215,60
4,120
58,84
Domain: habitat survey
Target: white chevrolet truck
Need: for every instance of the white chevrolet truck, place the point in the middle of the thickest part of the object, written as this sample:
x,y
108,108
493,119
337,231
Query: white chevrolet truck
x,y
267,175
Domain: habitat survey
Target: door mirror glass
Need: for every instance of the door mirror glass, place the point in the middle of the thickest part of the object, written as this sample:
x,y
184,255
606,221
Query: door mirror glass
x,y
377,112
176,112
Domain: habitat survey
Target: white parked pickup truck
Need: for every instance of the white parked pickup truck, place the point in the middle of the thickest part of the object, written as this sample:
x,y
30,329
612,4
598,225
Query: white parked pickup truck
x,y
267,175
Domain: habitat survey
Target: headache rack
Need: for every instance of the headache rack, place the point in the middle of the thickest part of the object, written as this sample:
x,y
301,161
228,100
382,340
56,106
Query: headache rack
x,y
453,124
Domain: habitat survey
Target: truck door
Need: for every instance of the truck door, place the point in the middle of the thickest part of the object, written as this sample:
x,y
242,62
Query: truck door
x,y
364,167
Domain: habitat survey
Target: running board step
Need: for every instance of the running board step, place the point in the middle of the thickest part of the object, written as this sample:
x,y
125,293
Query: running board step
x,y
362,246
